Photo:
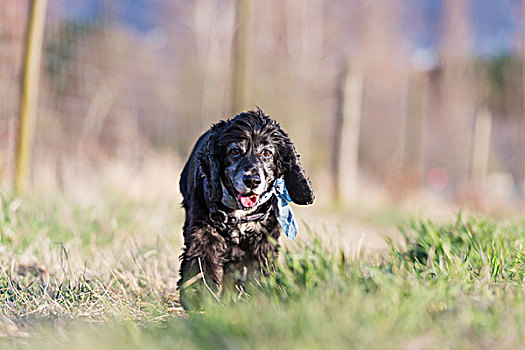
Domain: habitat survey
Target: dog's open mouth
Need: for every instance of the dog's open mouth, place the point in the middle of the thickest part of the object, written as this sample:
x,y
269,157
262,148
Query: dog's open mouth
x,y
248,201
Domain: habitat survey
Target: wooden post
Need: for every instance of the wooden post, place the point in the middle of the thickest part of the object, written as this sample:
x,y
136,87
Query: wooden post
x,y
241,49
481,148
458,99
347,131
29,98
415,117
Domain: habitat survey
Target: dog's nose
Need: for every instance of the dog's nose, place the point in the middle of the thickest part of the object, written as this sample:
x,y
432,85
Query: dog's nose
x,y
251,181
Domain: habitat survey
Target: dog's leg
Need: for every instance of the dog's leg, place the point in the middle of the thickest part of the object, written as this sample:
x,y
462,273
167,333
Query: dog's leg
x,y
266,252
195,286
201,271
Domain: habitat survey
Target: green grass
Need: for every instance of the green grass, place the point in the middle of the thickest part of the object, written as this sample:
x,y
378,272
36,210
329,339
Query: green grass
x,y
107,272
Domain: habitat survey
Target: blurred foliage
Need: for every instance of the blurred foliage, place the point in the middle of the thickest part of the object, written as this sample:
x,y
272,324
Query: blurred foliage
x,y
500,84
60,53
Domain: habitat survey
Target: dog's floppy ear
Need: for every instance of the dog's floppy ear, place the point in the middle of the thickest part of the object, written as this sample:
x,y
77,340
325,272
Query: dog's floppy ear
x,y
210,167
298,185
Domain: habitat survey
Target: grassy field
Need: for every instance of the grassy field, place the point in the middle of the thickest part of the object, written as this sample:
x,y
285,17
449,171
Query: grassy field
x,y
102,275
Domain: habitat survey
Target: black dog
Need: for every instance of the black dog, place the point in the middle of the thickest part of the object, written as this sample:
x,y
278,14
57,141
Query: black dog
x,y
235,201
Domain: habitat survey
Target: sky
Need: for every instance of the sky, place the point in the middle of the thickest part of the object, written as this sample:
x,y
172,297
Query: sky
x,y
137,14
495,23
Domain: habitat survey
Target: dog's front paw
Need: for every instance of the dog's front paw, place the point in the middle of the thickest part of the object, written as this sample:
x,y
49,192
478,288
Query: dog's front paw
x,y
218,218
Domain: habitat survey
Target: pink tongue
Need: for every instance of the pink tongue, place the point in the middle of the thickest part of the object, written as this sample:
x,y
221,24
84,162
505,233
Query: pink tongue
x,y
248,201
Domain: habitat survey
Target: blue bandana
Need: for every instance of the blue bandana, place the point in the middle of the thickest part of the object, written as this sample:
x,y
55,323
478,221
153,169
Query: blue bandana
x,y
283,210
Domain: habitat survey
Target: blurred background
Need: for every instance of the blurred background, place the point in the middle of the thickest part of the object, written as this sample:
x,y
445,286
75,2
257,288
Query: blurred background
x,y
388,101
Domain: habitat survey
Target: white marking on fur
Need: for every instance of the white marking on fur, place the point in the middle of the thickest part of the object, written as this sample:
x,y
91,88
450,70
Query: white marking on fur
x,y
249,226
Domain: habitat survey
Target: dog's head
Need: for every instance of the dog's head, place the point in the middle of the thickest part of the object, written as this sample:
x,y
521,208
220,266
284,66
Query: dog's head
x,y
247,154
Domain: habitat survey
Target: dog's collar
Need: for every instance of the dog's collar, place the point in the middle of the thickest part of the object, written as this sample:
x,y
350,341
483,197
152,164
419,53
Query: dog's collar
x,y
283,210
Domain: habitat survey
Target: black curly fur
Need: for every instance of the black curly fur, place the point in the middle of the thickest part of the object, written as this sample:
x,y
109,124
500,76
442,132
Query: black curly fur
x,y
211,248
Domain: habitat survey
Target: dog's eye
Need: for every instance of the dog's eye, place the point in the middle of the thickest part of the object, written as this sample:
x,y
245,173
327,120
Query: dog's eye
x,y
235,152
266,153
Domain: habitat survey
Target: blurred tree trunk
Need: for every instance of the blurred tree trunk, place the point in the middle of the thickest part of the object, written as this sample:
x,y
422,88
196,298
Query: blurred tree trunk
x,y
519,178
519,181
29,98
415,118
13,27
347,129
304,28
384,62
481,149
214,31
457,84
241,64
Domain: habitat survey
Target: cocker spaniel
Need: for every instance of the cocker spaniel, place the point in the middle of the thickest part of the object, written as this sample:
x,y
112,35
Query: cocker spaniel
x,y
236,187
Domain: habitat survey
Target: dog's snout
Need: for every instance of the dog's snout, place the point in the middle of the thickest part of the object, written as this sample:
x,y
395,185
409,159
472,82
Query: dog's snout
x,y
251,181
